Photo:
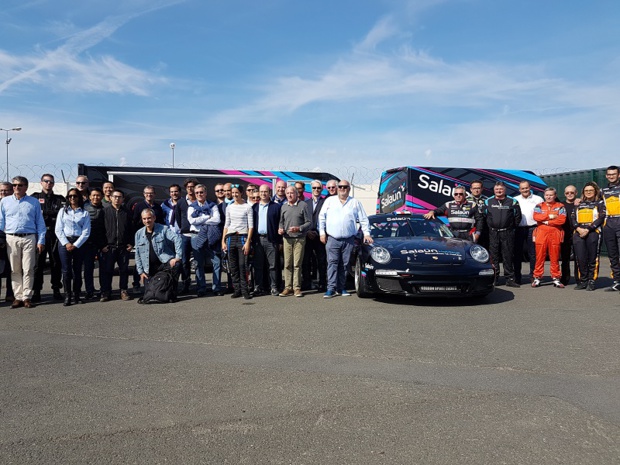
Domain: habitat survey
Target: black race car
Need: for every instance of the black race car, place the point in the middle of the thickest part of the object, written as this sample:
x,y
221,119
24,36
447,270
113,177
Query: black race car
x,y
418,257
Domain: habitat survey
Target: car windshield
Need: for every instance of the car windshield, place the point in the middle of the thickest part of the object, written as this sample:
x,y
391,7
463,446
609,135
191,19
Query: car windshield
x,y
408,227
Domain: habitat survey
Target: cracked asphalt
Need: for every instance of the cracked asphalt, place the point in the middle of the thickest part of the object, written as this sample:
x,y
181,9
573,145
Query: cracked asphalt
x,y
525,376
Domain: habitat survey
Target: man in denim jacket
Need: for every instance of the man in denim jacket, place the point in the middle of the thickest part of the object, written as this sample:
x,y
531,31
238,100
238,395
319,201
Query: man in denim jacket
x,y
157,248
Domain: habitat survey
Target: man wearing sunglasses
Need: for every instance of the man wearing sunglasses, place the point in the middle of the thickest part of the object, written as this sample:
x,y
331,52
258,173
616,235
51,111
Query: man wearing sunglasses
x,y
21,218
463,215
82,184
338,225
51,204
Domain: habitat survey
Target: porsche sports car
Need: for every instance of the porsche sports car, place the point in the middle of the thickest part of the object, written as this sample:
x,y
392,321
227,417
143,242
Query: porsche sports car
x,y
414,256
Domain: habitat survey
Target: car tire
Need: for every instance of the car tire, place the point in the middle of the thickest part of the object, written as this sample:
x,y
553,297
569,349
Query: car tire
x,y
361,286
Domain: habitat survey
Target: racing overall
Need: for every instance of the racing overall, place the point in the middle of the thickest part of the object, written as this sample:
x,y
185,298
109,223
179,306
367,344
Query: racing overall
x,y
463,217
548,237
611,230
589,215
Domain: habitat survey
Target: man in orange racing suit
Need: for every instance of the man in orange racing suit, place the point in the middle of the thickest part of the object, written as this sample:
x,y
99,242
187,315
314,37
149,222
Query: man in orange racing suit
x,y
550,216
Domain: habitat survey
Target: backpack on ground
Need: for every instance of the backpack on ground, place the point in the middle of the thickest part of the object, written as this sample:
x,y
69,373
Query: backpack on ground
x,y
161,288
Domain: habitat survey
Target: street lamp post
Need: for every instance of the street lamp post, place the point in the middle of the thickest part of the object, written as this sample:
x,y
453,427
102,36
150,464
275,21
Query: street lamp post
x,y
8,141
172,146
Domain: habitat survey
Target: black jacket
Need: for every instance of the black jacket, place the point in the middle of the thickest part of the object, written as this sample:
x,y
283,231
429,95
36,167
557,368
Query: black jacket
x,y
97,226
118,226
160,217
273,221
50,205
314,225
502,214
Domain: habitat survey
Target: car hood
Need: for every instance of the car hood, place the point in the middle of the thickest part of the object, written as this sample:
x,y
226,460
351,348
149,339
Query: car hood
x,y
427,250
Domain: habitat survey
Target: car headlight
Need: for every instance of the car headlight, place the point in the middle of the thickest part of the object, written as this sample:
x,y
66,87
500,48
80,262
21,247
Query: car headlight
x,y
380,255
479,253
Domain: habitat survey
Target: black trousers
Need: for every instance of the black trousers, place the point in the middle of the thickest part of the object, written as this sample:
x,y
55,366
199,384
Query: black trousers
x,y
501,245
566,249
266,264
611,235
524,242
314,249
51,251
587,253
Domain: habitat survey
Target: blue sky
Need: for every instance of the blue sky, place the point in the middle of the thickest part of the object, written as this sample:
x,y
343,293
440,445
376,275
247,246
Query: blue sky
x,y
301,85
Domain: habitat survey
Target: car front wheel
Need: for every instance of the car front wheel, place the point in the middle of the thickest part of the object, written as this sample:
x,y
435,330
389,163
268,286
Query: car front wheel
x,y
361,287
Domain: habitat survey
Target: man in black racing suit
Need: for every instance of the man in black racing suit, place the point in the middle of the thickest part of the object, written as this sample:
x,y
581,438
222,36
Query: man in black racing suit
x,y
463,215
611,230
502,214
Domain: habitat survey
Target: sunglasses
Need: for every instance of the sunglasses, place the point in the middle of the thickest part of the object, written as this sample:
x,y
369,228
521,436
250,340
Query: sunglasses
x,y
47,180
73,196
18,185
219,190
81,182
344,187
317,188
458,194
199,192
233,186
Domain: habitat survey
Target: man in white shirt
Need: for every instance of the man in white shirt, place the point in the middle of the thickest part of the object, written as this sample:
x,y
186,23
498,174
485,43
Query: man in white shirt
x,y
338,221
523,234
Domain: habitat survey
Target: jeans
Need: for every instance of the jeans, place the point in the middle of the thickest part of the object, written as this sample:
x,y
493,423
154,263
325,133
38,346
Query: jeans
x,y
201,256
238,263
89,253
71,263
338,257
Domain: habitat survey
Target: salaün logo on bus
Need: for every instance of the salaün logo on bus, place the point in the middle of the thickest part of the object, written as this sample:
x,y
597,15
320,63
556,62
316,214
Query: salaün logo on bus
x,y
434,186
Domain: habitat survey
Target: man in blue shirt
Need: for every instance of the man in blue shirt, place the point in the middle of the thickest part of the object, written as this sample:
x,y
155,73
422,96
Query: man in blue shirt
x,y
21,218
338,221
267,243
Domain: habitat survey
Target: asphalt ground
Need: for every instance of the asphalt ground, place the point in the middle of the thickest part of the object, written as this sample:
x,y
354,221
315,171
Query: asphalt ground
x,y
524,376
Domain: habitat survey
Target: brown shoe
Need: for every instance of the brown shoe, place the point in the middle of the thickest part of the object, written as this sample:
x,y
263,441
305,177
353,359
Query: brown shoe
x,y
17,303
298,293
29,304
125,296
286,292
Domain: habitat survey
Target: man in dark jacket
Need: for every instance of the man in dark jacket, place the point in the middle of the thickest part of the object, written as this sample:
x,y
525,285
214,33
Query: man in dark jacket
x,y
267,243
314,254
50,204
96,241
119,242
502,214
181,217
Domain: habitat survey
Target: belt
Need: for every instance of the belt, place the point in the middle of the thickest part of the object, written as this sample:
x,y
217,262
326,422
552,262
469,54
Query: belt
x,y
20,234
500,230
528,226
461,230
262,235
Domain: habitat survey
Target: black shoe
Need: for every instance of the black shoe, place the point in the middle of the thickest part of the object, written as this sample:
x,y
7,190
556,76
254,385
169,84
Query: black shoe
x,y
76,298
235,295
36,296
67,300
512,283
89,296
58,295
201,293
246,296
590,285
581,285
614,288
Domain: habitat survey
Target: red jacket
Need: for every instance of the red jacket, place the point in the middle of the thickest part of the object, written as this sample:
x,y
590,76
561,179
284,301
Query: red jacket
x,y
546,225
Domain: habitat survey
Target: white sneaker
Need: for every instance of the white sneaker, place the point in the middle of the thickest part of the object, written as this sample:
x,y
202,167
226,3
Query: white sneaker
x,y
557,283
536,282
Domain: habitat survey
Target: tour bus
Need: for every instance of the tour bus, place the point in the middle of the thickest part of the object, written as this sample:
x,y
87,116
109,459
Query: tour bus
x,y
420,189
132,180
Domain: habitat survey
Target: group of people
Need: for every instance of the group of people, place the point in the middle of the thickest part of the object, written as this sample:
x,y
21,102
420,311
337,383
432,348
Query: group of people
x,y
259,237
543,227
277,244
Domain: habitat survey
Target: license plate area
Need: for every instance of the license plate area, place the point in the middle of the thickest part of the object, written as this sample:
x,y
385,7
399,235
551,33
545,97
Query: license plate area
x,y
439,288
